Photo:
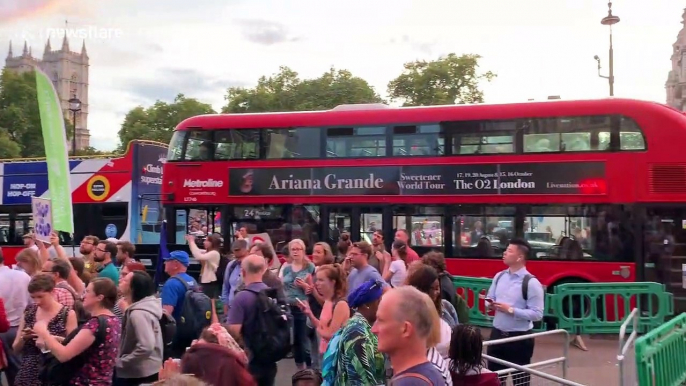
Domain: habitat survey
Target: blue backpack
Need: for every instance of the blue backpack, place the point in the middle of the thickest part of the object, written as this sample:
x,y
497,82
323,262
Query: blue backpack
x,y
196,312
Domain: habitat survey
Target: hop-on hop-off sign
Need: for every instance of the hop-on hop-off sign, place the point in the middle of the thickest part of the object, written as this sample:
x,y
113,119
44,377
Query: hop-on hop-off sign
x,y
42,218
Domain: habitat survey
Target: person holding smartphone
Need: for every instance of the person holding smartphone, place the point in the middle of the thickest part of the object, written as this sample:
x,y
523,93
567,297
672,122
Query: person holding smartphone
x,y
295,282
517,298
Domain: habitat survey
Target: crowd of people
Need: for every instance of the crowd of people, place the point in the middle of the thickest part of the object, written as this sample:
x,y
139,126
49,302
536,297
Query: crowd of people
x,y
362,316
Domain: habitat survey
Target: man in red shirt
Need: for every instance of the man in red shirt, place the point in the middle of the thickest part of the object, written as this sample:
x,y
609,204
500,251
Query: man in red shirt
x,y
403,235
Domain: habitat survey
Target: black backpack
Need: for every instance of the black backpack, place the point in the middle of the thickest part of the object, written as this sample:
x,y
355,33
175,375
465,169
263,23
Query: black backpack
x,y
268,336
168,327
196,313
54,372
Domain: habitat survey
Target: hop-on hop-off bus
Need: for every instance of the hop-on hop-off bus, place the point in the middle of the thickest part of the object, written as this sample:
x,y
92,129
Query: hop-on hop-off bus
x,y
597,187
112,197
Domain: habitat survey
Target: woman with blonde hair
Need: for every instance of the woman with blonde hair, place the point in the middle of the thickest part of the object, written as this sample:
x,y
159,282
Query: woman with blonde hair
x,y
29,262
295,278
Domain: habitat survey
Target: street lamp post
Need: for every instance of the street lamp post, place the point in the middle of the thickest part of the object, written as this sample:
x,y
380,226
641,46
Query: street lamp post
x,y
609,20
74,107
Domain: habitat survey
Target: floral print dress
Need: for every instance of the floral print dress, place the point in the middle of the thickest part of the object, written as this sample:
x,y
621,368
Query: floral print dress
x,y
101,356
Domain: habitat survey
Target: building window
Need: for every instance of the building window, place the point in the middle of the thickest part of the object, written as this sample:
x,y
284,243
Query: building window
x,y
292,143
356,142
235,144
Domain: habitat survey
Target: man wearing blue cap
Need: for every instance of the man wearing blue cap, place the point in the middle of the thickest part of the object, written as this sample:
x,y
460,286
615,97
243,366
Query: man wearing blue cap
x,y
174,292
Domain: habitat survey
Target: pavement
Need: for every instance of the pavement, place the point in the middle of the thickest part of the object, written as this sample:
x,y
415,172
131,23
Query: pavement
x,y
596,367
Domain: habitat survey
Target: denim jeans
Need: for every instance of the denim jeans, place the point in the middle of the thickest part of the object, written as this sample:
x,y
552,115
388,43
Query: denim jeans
x,y
301,339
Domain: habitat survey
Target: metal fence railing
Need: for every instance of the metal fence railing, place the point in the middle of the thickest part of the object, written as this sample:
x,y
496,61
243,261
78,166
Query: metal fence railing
x,y
626,355
551,371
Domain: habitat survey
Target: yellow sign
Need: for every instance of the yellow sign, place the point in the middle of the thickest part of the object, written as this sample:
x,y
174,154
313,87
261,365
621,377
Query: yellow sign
x,y
98,188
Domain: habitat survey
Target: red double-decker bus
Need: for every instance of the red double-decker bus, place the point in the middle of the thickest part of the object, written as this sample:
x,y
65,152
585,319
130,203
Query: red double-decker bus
x,y
595,186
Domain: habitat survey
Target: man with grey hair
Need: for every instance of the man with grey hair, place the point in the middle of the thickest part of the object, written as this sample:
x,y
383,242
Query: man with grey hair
x,y
406,324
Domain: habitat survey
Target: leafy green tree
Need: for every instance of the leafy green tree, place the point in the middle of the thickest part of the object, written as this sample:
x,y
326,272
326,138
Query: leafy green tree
x,y
285,91
157,122
451,79
90,151
19,116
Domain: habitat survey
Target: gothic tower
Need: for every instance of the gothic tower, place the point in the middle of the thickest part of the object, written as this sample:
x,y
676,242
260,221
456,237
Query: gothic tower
x,y
676,80
68,71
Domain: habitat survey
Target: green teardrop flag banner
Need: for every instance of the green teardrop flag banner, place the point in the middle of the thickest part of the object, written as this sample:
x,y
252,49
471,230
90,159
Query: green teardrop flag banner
x,y
56,154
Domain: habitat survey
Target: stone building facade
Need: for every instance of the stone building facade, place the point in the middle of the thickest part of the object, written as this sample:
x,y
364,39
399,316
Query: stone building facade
x,y
68,71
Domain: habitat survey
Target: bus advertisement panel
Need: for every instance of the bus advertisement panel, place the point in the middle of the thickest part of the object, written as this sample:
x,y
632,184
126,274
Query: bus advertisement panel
x,y
596,187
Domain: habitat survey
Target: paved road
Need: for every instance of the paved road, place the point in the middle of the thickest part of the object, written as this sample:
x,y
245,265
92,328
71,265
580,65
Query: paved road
x,y
598,366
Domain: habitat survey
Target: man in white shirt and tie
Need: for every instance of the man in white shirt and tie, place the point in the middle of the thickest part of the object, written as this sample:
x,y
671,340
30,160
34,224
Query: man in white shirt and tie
x,y
14,291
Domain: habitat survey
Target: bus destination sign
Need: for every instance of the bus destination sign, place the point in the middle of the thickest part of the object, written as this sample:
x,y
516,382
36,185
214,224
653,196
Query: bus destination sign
x,y
479,179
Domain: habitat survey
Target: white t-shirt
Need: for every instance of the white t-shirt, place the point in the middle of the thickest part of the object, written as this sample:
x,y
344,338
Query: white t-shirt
x,y
443,346
399,271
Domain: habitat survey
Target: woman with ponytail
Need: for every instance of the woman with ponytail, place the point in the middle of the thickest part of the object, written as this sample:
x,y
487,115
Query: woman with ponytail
x,y
332,284
395,269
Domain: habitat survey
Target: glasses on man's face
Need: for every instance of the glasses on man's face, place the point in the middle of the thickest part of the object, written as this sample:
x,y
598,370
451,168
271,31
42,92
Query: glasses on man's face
x,y
101,250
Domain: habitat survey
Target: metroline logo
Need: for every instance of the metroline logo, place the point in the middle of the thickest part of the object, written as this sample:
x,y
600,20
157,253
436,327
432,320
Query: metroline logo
x,y
202,183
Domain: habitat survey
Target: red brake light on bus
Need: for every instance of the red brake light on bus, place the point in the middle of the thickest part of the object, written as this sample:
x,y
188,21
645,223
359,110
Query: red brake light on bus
x,y
593,186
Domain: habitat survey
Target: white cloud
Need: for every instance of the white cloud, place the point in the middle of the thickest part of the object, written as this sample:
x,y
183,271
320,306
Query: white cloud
x,y
537,47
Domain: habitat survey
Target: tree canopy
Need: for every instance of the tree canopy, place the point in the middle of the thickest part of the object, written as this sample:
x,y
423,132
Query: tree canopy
x,y
20,129
157,122
449,80
285,91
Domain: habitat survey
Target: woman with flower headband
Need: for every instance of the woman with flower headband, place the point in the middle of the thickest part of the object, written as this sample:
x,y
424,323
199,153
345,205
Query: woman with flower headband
x,y
215,358
352,357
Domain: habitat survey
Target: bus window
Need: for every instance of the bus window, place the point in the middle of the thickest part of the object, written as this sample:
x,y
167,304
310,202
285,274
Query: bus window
x,y
565,134
175,152
4,228
580,233
302,142
482,137
22,225
418,140
356,142
423,224
483,232
236,144
199,146
630,136
370,223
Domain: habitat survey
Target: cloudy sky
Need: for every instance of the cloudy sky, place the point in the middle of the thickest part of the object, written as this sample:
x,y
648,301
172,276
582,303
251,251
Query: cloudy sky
x,y
154,49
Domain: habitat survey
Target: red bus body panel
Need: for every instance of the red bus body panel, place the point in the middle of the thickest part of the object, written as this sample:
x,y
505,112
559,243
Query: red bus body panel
x,y
627,174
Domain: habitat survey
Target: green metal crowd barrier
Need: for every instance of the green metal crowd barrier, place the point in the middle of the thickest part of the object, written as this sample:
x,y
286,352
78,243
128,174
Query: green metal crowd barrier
x,y
600,308
581,308
661,354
